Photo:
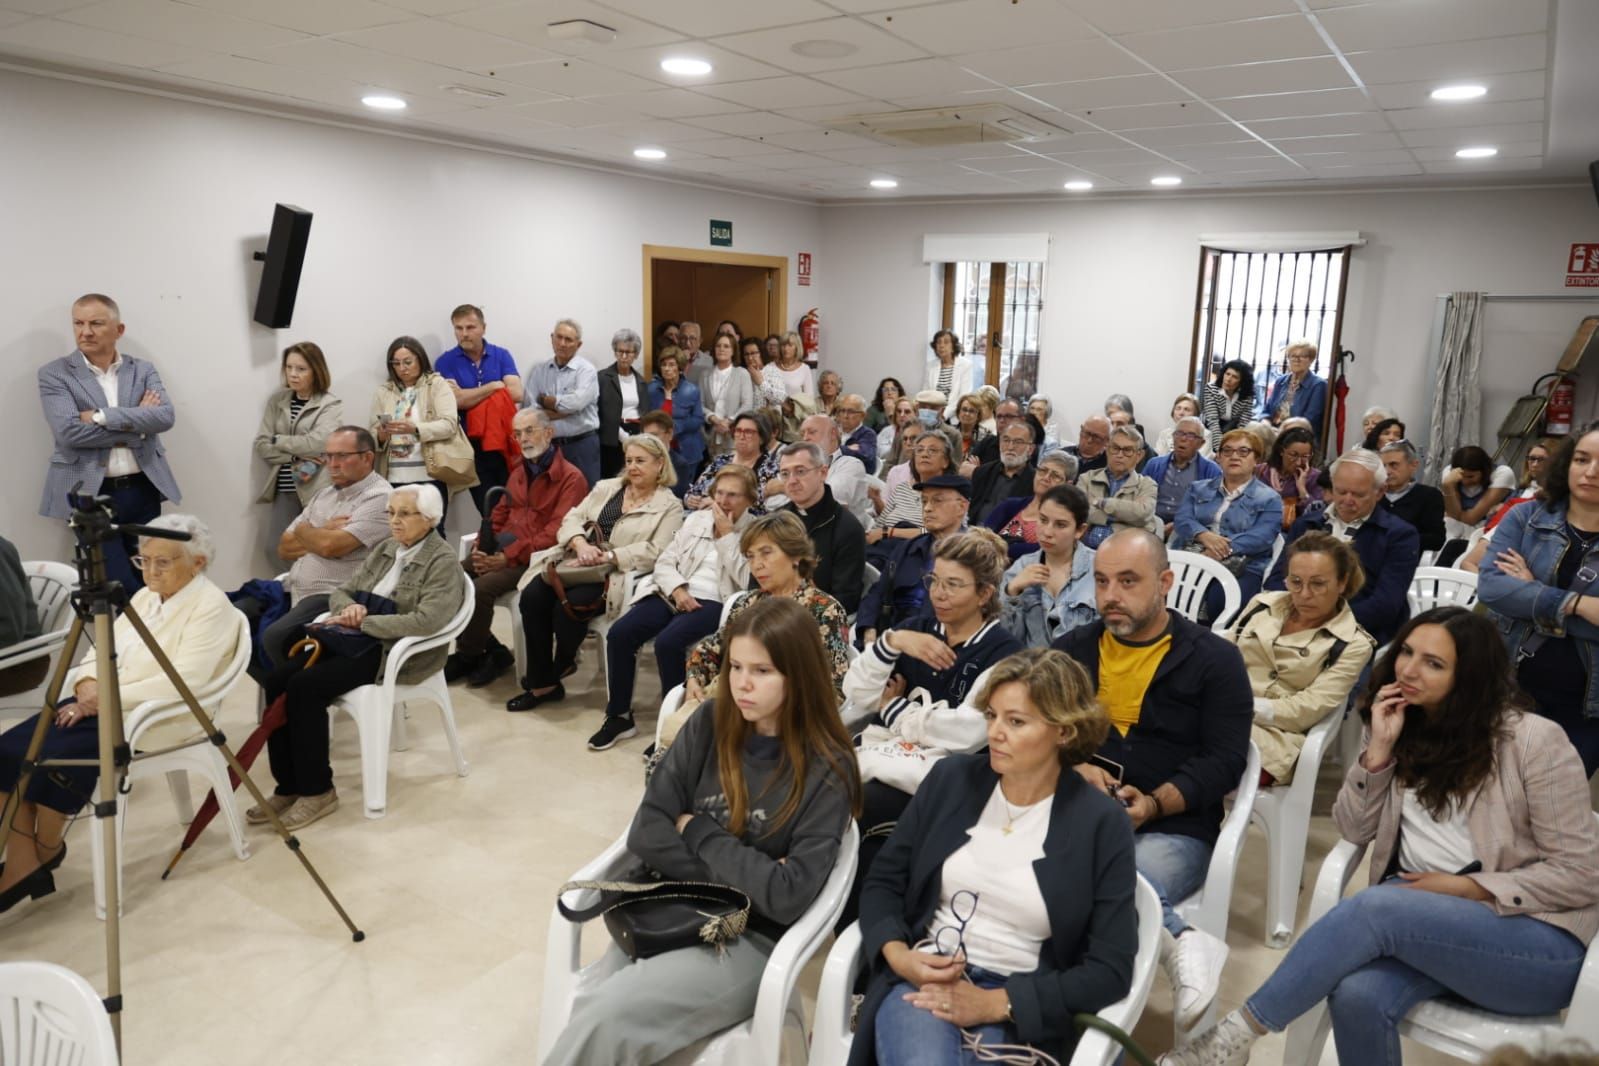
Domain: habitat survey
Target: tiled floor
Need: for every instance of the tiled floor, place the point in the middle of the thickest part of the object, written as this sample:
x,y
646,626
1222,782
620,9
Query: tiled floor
x,y
245,963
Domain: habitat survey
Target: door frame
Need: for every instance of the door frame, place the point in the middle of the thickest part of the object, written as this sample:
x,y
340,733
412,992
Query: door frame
x,y
652,252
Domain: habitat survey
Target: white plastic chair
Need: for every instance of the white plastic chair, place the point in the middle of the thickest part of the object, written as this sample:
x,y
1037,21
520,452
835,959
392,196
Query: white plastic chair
x,y
1451,1026
779,1012
507,600
1441,586
52,585
830,1042
379,710
1283,813
49,1016
1192,577
200,758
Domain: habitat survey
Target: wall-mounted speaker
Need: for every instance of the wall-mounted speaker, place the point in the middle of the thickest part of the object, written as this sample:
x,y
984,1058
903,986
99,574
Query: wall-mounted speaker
x,y
284,257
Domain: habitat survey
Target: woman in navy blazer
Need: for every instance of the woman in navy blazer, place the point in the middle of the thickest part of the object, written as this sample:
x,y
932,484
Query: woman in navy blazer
x,y
680,398
955,939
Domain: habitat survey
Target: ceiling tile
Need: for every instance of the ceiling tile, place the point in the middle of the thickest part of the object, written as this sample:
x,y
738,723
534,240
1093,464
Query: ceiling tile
x,y
725,66
1514,150
1461,59
1175,136
310,16
1109,92
529,20
734,147
782,93
1091,141
1361,27
507,120
1351,142
1477,113
572,77
905,81
1295,105
328,55
434,8
1528,85
1133,16
11,18
1053,62
43,7
164,20
1198,153
979,25
668,103
1319,125
1014,164
705,18
233,72
648,131
1126,155
750,124
829,112
870,44
1481,166
578,113
446,44
1368,170
1257,165
1249,41
1148,116
1324,160
1519,131
79,43
1246,79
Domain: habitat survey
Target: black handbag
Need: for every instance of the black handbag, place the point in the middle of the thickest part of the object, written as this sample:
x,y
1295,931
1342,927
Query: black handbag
x,y
648,918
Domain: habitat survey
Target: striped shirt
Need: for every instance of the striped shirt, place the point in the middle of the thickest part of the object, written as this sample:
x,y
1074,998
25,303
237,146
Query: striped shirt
x,y
286,480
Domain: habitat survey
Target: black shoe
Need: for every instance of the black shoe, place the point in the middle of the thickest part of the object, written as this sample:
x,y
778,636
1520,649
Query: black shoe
x,y
459,665
615,728
36,885
495,663
527,701
649,753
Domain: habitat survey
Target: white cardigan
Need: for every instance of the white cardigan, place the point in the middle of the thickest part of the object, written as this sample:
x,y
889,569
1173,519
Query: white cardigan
x,y
690,545
960,382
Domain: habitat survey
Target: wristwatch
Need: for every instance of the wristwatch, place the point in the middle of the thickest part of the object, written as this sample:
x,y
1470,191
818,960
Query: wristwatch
x,y
1010,1015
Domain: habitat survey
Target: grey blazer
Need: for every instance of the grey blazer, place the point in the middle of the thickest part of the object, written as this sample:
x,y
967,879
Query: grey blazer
x,y
67,388
282,437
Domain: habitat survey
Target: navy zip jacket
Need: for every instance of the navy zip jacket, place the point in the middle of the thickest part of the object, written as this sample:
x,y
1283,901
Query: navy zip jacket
x,y
1086,876
1390,550
1193,729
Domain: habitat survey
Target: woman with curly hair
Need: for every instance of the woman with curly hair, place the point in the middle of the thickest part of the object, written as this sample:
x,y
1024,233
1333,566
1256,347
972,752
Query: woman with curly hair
x,y
1229,403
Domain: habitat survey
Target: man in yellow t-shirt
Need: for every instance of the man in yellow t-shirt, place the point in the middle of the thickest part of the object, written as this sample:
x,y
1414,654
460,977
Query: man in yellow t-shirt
x,y
1126,667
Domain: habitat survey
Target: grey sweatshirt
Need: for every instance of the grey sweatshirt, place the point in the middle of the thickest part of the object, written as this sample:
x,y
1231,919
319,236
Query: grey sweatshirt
x,y
19,618
688,781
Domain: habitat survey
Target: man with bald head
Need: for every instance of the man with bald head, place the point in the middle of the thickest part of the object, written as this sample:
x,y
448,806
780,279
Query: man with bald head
x,y
1180,706
1093,437
858,439
846,475
107,411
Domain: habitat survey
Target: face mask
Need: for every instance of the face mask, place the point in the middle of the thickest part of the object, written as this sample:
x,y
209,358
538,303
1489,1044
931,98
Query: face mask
x,y
928,419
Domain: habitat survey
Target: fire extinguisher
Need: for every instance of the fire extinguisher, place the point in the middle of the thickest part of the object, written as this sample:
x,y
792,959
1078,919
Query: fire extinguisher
x,y
810,331
1562,405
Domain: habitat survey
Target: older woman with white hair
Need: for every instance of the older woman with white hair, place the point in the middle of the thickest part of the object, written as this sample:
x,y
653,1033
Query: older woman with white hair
x,y
410,585
194,624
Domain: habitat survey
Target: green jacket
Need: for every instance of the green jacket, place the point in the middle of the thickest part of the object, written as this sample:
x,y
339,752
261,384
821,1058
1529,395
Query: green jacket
x,y
427,597
19,617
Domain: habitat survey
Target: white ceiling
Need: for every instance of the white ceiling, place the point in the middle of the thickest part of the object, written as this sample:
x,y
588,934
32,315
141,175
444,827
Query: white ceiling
x,y
1223,93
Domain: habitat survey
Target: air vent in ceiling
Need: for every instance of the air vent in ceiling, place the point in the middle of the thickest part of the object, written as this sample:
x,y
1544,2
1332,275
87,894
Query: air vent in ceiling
x,y
937,126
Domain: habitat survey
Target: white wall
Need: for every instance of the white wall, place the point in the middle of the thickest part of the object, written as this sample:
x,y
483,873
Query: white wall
x,y
1119,305
161,203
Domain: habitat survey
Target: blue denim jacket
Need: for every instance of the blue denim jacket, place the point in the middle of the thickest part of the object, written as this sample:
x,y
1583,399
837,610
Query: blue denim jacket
x,y
1523,608
1035,617
1251,523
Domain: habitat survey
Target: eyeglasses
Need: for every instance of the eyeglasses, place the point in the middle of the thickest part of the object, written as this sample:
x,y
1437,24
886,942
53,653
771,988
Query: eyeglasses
x,y
1002,417
328,457
400,364
950,940
1101,437
1015,442
745,431
1239,452
1124,449
1185,435
1317,585
798,471
154,565
619,352
402,514
934,583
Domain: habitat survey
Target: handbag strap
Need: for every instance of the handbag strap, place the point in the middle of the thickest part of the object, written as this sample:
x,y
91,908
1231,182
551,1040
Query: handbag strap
x,y
610,891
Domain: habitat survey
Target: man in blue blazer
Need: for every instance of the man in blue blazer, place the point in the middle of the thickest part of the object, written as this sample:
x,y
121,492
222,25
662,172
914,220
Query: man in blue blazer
x,y
106,412
1299,393
1388,546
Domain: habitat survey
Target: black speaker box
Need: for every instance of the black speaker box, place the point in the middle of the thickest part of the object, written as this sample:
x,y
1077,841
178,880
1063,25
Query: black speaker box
x,y
285,256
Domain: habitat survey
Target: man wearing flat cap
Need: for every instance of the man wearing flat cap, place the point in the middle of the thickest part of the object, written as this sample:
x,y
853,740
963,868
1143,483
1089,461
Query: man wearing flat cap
x,y
899,593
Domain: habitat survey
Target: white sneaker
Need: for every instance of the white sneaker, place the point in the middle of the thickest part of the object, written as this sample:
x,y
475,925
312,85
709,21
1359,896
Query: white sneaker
x,y
1193,963
1228,1044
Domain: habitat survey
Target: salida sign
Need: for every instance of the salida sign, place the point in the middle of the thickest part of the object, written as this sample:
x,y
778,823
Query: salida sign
x,y
1582,267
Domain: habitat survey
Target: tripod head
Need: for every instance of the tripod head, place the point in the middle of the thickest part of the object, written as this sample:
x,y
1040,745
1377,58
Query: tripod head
x,y
93,523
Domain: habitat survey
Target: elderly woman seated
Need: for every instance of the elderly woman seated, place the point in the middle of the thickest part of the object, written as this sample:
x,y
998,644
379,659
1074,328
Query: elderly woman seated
x,y
1303,649
409,586
193,622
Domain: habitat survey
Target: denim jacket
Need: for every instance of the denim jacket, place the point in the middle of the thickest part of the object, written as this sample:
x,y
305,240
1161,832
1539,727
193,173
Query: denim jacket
x,y
1251,524
1035,617
1524,608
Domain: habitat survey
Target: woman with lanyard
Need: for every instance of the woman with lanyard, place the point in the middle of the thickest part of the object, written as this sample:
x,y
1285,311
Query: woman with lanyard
x,y
1540,583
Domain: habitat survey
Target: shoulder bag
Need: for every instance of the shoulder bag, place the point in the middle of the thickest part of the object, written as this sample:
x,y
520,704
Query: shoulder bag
x,y
649,918
450,460
558,574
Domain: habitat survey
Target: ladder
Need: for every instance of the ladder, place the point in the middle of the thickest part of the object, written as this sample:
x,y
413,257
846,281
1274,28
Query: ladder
x,y
1525,419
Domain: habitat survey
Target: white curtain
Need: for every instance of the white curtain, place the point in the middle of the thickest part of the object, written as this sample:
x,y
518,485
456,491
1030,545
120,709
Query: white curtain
x,y
1457,402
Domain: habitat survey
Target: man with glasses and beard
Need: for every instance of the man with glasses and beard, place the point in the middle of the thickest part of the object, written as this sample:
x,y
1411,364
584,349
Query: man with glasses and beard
x,y
836,534
899,592
1011,476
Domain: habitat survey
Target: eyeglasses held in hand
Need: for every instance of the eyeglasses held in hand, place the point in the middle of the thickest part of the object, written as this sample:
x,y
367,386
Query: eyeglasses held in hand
x,y
950,940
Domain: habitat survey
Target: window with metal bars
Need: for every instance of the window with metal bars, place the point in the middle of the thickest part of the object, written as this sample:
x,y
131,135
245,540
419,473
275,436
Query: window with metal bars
x,y
1252,305
996,309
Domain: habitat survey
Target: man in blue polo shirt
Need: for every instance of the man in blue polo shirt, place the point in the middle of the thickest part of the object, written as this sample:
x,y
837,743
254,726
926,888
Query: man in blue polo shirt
x,y
567,389
475,369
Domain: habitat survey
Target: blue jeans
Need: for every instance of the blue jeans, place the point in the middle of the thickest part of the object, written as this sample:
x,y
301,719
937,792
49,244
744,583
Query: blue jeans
x,y
911,1035
1384,950
1175,866
651,619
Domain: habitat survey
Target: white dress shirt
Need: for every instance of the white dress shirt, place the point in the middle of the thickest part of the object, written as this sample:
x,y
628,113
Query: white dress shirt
x,y
121,463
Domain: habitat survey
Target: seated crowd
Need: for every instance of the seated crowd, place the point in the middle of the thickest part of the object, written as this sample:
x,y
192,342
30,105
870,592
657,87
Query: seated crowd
x,y
926,614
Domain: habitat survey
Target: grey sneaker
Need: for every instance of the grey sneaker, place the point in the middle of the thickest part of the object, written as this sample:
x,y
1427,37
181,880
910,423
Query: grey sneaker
x,y
308,809
1228,1044
257,815
1194,966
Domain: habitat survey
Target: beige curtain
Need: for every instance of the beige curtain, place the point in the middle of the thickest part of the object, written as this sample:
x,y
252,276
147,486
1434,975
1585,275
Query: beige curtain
x,y
1456,405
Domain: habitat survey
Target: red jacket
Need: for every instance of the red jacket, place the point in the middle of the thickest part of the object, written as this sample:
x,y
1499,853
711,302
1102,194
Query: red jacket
x,y
489,423
534,513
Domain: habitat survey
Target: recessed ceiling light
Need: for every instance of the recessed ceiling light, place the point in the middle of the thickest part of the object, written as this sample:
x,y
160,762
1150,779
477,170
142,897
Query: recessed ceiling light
x,y
685,65
1459,92
824,49
649,153
1079,186
1166,179
383,102
1482,152
884,183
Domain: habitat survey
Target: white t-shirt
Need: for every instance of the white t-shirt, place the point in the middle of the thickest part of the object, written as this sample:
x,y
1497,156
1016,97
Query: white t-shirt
x,y
1430,846
1009,924
1503,478
629,404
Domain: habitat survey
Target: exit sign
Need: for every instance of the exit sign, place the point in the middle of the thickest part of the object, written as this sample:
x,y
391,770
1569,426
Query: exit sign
x,y
721,233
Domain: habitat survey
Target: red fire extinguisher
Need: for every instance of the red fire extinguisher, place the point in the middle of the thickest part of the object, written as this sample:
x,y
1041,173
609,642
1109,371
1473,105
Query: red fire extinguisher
x,y
1562,405
810,331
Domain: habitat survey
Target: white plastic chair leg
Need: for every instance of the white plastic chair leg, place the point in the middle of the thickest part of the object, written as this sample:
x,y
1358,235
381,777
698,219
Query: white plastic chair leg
x,y
374,733
400,737
213,769
1287,832
178,782
439,692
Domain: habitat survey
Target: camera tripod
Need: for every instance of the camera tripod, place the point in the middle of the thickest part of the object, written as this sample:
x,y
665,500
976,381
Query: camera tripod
x,y
98,601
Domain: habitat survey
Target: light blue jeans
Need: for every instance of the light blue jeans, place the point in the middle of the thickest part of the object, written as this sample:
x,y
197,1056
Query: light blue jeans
x,y
1175,866
908,1035
1384,950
